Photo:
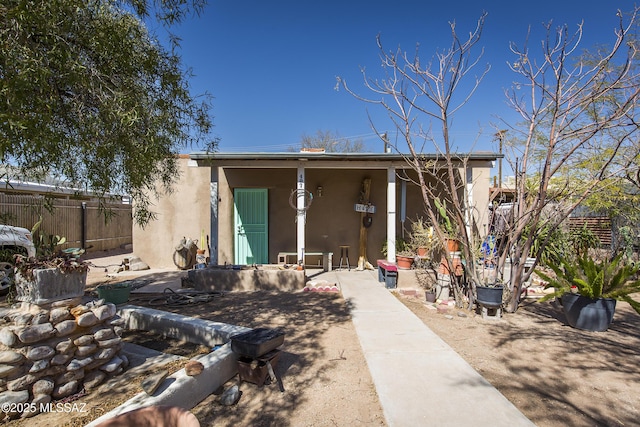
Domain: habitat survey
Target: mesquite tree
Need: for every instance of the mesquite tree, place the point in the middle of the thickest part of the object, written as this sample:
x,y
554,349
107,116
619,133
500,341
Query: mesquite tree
x,y
578,117
415,93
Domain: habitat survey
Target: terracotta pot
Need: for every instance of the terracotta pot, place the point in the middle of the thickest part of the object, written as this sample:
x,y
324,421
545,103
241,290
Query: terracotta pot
x,y
456,259
453,245
422,251
404,261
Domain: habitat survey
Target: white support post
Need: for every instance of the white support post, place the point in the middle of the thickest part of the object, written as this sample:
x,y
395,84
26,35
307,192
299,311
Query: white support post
x,y
213,234
301,213
469,207
391,214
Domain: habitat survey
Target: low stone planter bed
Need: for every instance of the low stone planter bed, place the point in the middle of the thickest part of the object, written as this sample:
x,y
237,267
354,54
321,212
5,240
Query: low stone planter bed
x,y
51,352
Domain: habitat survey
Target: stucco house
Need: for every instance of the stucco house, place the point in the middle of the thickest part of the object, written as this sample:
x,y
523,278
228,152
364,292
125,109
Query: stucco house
x,y
258,207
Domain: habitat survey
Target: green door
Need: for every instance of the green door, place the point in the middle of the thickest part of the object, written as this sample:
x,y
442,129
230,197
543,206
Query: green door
x,y
251,226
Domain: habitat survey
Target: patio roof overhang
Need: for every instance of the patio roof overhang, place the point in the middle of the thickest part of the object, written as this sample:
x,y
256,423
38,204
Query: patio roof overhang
x,y
328,160
391,162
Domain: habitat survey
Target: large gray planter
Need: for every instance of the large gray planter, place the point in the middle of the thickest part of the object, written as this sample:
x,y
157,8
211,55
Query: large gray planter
x,y
49,285
588,314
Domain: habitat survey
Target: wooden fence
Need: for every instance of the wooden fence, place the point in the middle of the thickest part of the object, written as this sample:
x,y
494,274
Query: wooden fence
x,y
600,226
81,222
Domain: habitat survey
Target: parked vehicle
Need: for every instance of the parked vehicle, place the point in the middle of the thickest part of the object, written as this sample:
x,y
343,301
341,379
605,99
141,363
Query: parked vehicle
x,y
13,240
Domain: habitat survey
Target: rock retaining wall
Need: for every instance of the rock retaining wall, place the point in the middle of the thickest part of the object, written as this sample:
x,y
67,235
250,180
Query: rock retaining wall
x,y
48,353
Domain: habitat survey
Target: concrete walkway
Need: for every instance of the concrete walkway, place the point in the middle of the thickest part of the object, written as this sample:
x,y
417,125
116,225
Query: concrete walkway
x,y
419,379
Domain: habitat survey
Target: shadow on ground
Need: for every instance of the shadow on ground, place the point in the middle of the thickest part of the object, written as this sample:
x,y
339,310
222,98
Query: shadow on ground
x,y
555,374
579,377
305,317
310,321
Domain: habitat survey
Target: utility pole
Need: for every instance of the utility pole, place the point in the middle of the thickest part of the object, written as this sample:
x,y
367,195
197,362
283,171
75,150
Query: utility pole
x,y
386,142
500,136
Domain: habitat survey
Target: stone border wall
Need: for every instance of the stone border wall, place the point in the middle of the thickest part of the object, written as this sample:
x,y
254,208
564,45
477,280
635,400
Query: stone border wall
x,y
48,353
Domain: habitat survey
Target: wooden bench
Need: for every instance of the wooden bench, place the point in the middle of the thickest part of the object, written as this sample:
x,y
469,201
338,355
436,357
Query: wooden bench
x,y
327,258
388,273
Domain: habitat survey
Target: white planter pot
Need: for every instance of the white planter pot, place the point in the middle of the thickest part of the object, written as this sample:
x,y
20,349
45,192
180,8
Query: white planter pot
x,y
49,285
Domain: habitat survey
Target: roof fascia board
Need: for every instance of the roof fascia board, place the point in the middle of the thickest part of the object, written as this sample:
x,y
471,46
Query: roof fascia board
x,y
290,160
292,164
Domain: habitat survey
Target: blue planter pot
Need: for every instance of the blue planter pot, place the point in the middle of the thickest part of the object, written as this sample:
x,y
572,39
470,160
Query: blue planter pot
x,y
588,314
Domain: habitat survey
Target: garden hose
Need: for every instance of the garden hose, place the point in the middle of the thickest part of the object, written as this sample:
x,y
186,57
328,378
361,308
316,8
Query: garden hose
x,y
173,298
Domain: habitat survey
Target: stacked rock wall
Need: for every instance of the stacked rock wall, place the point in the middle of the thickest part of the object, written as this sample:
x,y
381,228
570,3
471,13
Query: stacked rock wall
x,y
50,353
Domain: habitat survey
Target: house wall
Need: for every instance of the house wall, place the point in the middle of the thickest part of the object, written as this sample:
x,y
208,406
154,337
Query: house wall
x,y
183,213
480,184
414,206
331,219
481,190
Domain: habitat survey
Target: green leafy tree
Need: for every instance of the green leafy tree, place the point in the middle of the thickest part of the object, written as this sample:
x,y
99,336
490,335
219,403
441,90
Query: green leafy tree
x,y
89,94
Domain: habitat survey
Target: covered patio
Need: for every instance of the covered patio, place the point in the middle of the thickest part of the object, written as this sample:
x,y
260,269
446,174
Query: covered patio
x,y
307,204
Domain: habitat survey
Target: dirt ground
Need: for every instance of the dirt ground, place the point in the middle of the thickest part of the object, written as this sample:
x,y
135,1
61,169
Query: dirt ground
x,y
322,369
554,374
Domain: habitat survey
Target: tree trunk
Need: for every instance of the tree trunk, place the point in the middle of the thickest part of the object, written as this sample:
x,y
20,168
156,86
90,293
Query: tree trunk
x,y
517,270
362,253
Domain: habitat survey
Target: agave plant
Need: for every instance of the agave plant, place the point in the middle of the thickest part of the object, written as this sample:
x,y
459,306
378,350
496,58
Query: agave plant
x,y
607,279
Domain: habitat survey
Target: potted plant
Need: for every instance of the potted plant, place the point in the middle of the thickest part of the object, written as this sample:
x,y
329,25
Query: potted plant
x,y
404,255
44,279
421,238
427,280
430,295
49,276
489,292
404,259
588,290
489,296
401,246
451,244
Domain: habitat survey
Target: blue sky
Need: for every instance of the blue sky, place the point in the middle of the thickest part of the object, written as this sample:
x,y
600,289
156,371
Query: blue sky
x,y
272,66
